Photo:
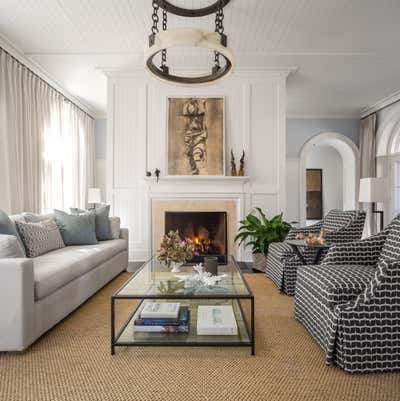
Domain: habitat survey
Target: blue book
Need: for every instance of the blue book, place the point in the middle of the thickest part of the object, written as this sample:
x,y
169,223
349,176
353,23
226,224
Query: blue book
x,y
183,319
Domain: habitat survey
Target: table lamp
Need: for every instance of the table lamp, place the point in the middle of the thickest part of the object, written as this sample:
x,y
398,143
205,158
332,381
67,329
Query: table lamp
x,y
374,190
94,196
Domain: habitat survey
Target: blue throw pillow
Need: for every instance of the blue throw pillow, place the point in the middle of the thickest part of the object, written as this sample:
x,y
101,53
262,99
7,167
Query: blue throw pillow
x,y
7,227
76,229
103,226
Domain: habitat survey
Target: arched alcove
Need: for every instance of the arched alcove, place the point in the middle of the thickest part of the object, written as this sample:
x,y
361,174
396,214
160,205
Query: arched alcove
x,y
350,157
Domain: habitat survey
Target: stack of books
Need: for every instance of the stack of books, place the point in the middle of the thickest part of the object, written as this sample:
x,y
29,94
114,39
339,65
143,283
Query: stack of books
x,y
216,320
163,317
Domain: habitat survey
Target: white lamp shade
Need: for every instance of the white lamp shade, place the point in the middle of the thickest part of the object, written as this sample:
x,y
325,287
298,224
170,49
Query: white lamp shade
x,y
373,190
94,195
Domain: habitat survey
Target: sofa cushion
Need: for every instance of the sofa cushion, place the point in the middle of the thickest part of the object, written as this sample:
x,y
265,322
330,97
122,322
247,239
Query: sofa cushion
x,y
335,284
57,268
103,227
7,227
40,238
115,226
36,218
77,229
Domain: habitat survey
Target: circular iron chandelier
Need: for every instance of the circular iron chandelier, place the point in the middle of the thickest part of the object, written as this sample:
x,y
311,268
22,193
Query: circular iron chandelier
x,y
160,41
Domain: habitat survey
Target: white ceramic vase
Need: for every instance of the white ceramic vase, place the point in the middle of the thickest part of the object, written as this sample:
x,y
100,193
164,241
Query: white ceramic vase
x,y
176,267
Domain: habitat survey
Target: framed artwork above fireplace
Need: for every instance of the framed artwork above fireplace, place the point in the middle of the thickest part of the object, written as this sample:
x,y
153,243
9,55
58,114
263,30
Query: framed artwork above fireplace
x,y
195,136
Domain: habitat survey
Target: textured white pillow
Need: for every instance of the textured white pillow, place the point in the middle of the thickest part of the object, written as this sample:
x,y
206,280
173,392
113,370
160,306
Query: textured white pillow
x,y
37,218
40,238
10,247
115,224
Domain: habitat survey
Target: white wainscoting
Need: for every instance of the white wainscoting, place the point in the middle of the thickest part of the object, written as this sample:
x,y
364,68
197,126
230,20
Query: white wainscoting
x,y
255,103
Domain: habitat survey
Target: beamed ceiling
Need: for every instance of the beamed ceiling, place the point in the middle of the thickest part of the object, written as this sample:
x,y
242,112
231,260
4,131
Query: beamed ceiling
x,y
347,52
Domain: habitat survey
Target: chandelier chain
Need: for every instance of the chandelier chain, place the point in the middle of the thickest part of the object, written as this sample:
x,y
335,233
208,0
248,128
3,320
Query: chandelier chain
x,y
164,27
154,17
219,28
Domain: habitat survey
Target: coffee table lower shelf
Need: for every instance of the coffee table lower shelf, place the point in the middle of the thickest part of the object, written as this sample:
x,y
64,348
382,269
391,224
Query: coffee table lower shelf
x,y
127,337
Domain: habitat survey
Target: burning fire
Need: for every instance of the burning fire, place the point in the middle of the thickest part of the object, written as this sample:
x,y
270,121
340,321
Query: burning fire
x,y
202,245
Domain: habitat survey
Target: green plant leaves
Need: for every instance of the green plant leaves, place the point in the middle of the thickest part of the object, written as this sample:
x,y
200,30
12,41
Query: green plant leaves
x,y
259,232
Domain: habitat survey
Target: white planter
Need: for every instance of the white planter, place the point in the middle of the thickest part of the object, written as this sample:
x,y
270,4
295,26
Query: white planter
x,y
259,262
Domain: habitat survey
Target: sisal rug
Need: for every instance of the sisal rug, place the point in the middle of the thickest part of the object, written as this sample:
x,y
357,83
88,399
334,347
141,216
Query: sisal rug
x,y
73,362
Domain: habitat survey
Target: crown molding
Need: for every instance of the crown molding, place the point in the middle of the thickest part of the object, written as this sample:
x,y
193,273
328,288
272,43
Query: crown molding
x,y
385,102
353,116
16,52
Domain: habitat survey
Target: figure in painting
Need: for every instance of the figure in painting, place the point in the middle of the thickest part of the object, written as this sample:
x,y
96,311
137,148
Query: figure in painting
x,y
195,134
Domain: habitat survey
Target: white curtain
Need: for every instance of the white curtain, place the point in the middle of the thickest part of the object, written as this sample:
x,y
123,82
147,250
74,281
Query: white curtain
x,y
368,164
46,144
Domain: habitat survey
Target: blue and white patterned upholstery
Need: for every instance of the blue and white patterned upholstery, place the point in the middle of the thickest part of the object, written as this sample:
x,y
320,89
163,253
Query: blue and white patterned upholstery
x,y
282,262
353,311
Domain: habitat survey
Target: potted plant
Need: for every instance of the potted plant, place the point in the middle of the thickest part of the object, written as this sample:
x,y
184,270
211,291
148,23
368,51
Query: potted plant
x,y
174,251
258,232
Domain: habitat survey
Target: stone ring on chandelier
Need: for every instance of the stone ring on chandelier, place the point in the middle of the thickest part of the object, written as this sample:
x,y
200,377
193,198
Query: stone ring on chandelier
x,y
160,41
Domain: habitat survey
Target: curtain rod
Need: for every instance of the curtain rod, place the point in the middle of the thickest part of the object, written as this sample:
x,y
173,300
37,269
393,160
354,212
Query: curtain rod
x,y
43,80
382,108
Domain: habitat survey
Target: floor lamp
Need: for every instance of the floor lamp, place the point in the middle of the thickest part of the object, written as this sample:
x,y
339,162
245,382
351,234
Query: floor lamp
x,y
373,190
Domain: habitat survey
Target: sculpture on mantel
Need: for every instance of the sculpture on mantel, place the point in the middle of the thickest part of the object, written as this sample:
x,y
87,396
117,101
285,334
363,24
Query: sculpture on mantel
x,y
241,169
233,165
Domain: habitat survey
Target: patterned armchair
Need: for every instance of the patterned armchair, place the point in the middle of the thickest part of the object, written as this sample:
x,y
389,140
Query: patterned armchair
x,y
282,262
350,303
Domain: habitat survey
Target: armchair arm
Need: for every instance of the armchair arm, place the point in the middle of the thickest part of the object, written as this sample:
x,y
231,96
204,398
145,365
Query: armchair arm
x,y
363,252
382,293
313,229
17,301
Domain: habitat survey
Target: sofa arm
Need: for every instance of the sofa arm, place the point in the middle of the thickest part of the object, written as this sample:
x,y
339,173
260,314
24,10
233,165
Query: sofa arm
x,y
17,301
124,234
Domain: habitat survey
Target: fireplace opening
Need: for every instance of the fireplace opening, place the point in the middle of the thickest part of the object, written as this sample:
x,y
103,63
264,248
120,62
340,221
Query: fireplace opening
x,y
207,231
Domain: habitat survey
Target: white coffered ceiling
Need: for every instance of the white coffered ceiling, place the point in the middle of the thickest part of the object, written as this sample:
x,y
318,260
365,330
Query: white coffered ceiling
x,y
347,51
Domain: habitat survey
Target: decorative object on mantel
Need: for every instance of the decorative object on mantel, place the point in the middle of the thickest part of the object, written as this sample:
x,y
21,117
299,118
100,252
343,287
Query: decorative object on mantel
x,y
199,278
196,136
259,232
233,165
216,41
241,169
174,251
148,173
157,173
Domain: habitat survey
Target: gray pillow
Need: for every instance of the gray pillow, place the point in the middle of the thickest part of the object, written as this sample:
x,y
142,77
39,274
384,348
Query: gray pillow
x,y
76,229
7,226
40,238
103,226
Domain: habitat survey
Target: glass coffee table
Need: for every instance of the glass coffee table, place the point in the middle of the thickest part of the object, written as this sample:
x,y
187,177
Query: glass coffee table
x,y
153,281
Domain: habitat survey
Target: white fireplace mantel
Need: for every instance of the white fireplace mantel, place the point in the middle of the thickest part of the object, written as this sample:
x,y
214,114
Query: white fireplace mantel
x,y
255,104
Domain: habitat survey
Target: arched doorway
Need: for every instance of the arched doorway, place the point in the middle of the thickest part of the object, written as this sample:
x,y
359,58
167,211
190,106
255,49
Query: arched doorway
x,y
350,158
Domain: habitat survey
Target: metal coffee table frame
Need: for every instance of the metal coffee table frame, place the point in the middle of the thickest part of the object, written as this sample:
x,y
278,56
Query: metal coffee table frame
x,y
175,340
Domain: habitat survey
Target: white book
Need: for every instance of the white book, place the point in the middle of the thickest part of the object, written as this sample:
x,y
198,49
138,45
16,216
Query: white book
x,y
164,310
161,329
216,320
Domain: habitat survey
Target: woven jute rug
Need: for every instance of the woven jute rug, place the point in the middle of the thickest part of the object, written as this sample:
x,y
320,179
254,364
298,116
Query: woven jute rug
x,y
73,362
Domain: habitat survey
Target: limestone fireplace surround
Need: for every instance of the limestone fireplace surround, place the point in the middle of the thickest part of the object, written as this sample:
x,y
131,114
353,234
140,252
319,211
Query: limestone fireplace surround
x,y
160,206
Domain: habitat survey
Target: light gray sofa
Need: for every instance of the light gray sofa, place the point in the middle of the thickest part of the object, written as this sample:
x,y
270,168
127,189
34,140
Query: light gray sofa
x,y
35,294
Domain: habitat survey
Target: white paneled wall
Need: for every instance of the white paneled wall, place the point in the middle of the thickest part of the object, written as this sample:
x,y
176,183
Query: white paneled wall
x,y
136,143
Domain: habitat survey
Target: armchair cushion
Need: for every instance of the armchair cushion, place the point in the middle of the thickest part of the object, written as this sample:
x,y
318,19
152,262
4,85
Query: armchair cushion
x,y
365,252
337,219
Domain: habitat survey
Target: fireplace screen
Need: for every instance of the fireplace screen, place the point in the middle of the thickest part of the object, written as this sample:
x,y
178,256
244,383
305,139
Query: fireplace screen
x,y
206,230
